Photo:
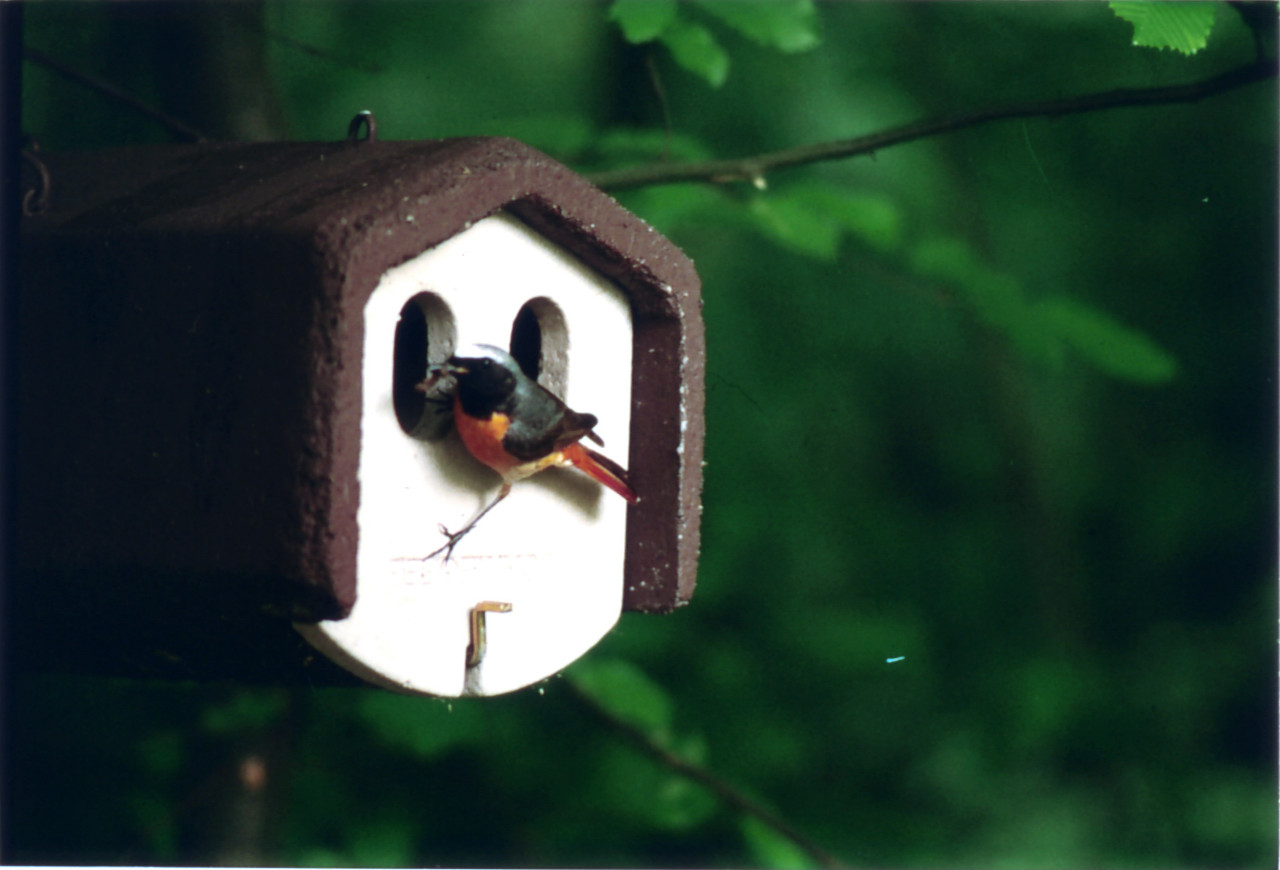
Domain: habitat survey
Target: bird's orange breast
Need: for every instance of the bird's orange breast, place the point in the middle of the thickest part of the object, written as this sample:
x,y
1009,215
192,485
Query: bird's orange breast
x,y
484,438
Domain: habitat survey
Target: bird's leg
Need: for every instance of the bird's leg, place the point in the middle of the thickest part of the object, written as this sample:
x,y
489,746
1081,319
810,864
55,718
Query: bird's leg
x,y
455,537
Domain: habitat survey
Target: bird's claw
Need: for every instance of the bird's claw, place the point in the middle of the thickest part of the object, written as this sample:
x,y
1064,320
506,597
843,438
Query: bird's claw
x,y
447,548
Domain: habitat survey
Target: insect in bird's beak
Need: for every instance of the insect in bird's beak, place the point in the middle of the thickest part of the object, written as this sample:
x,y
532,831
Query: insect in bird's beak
x,y
437,373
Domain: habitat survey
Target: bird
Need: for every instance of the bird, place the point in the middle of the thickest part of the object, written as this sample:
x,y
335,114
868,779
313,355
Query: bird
x,y
516,426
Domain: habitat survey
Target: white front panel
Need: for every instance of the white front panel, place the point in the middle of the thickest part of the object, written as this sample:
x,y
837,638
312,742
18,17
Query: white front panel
x,y
553,550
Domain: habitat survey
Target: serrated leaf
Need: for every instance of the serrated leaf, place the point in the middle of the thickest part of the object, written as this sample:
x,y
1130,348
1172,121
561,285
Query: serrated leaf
x,y
787,25
1110,346
697,50
1181,26
642,20
625,692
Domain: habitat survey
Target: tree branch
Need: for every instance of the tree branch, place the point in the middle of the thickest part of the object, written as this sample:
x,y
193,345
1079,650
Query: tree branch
x,y
173,125
717,786
754,168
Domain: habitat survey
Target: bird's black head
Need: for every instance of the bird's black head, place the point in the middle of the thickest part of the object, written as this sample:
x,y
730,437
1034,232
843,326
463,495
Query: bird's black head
x,y
486,376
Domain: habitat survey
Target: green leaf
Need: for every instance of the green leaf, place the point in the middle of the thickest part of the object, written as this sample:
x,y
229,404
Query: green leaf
x,y
626,694
697,50
771,849
789,26
382,842
1040,328
642,20
1182,26
641,790
680,803
247,710
873,220
998,300
624,691
1108,345
671,208
946,259
794,225
812,220
423,726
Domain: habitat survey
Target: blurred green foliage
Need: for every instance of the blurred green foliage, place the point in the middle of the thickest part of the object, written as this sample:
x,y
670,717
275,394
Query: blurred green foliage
x,y
1000,402
787,25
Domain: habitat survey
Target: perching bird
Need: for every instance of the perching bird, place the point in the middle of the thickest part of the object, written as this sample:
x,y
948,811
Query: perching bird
x,y
516,426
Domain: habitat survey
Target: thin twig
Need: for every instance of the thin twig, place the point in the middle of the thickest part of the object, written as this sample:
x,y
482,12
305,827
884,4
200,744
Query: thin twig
x,y
175,126
656,80
364,65
754,168
723,790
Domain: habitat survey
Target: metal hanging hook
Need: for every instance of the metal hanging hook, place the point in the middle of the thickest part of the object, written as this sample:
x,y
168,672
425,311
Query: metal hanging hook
x,y
35,200
366,120
475,649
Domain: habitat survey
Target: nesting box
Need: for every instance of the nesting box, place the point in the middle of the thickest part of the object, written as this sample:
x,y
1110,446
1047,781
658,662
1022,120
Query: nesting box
x,y
219,435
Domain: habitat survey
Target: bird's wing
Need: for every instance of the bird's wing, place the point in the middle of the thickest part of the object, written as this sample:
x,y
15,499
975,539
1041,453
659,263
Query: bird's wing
x,y
542,424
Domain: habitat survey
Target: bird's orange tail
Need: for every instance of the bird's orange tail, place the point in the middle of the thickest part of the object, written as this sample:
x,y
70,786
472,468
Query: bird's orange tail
x,y
602,468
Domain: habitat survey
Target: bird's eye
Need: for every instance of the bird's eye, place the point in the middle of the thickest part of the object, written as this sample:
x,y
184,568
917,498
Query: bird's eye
x,y
485,363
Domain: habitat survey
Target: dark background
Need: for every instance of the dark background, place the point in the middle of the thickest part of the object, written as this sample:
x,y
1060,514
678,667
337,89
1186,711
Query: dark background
x,y
1070,541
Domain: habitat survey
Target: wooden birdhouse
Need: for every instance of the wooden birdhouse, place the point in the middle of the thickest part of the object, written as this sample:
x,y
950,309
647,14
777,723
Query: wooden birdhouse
x,y
219,434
